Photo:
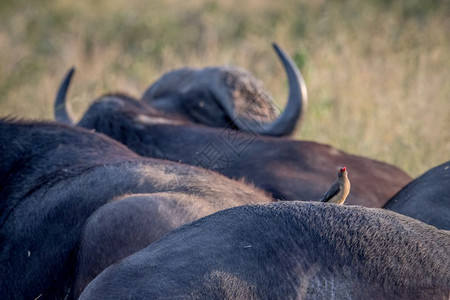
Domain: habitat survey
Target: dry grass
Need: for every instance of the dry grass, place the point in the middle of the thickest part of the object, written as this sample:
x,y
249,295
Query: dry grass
x,y
378,72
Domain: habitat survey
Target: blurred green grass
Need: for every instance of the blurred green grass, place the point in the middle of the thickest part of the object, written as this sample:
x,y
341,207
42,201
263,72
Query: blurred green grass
x,y
378,72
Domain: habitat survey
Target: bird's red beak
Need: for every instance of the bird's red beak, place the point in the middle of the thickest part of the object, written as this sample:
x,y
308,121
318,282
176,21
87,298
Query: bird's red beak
x,y
343,169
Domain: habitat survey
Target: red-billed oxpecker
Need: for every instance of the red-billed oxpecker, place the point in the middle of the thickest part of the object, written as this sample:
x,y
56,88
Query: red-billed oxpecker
x,y
339,190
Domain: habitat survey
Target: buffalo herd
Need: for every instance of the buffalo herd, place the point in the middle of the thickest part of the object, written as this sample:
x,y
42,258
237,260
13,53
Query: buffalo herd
x,y
197,191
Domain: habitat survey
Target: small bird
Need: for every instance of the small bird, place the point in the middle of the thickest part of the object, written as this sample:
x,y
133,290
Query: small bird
x,y
339,190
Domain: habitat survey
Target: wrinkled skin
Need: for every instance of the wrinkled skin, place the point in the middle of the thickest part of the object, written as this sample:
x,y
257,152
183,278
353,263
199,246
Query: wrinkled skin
x,y
426,198
287,250
57,182
289,170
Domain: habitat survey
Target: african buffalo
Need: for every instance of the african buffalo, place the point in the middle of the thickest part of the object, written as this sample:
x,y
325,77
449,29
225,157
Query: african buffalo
x,y
289,170
57,182
290,250
426,198
225,96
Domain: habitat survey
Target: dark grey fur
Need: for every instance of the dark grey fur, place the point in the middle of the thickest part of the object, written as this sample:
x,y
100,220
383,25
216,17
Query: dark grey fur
x,y
291,250
426,198
54,177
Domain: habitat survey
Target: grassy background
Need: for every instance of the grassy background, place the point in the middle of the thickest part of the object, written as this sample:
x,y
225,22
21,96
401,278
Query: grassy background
x,y
378,72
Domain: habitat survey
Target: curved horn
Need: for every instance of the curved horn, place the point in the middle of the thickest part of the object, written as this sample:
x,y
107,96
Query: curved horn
x,y
62,114
286,123
297,100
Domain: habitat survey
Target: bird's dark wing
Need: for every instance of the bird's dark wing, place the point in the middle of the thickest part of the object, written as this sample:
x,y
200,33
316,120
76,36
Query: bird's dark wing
x,y
332,191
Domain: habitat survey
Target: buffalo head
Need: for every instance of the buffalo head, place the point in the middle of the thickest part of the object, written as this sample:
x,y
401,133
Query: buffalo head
x,y
224,96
